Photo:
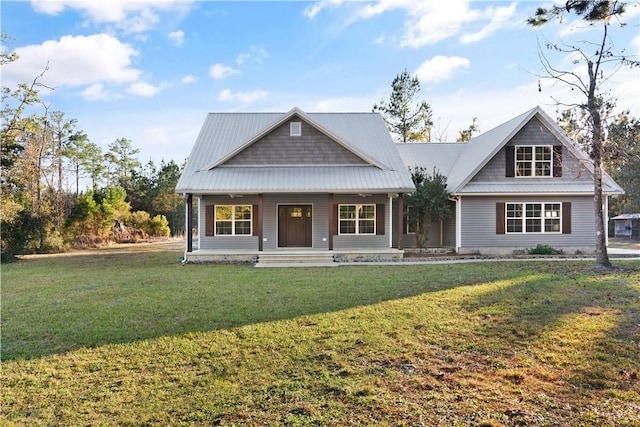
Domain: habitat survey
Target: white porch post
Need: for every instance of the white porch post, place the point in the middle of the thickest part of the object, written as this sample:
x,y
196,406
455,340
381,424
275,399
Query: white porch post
x,y
605,217
390,221
200,233
458,223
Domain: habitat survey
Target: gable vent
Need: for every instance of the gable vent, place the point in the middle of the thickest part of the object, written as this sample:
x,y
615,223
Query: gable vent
x,y
295,128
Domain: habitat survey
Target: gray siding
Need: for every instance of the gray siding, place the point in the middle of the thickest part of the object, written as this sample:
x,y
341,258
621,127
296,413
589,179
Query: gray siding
x,y
533,133
224,242
479,226
279,148
448,231
320,214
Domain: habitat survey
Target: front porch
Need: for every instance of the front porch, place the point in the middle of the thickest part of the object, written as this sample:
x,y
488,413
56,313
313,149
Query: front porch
x,y
294,257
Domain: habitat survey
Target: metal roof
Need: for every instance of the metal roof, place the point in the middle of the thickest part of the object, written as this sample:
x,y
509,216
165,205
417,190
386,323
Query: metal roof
x,y
225,134
628,216
460,162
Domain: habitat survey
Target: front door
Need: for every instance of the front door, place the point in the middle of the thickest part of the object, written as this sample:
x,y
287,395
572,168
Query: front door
x,y
294,226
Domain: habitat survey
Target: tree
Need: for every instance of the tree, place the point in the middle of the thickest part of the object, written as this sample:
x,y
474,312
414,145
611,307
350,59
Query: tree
x,y
408,120
430,201
123,156
593,63
622,161
467,134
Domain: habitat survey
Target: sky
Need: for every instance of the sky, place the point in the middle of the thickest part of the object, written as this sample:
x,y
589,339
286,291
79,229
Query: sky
x,y
150,71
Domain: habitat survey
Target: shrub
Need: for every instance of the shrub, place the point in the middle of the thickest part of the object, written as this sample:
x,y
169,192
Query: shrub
x,y
543,250
159,226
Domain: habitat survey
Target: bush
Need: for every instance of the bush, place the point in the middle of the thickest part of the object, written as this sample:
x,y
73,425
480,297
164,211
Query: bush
x,y
159,226
543,250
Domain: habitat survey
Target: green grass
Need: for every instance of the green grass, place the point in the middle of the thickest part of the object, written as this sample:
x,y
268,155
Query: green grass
x,y
131,337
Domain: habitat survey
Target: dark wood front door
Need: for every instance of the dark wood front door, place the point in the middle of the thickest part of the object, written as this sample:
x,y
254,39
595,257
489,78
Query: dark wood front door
x,y
294,226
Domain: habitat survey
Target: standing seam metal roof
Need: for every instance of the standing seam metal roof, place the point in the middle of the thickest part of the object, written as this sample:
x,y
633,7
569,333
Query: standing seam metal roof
x,y
224,133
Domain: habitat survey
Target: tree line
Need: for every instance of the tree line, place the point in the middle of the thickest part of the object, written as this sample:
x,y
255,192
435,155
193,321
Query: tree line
x,y
58,189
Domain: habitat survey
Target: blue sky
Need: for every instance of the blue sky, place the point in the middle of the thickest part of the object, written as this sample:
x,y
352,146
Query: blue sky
x,y
150,70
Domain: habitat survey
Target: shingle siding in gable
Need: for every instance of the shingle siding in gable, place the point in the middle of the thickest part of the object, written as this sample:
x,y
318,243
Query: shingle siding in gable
x,y
533,133
280,148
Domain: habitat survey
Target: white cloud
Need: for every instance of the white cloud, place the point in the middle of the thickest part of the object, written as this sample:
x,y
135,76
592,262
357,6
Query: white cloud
x,y
96,92
188,79
440,68
249,97
220,72
131,16
75,61
500,17
177,37
256,53
143,89
314,8
429,22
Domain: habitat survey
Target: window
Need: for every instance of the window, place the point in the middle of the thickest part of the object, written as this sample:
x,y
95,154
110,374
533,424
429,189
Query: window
x,y
534,160
233,220
411,220
295,128
357,219
533,217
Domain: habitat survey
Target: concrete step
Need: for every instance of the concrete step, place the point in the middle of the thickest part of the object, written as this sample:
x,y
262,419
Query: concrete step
x,y
306,259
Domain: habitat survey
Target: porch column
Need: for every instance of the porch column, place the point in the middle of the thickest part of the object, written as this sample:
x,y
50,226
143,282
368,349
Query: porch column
x,y
260,221
400,219
331,221
189,222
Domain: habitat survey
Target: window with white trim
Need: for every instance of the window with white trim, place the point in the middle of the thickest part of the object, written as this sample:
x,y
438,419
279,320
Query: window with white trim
x,y
295,128
534,160
533,217
233,220
357,219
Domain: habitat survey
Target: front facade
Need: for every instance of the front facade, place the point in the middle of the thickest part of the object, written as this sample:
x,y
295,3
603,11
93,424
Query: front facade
x,y
270,183
335,183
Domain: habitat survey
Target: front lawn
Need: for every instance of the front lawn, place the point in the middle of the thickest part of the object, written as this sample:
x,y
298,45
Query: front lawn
x,y
132,337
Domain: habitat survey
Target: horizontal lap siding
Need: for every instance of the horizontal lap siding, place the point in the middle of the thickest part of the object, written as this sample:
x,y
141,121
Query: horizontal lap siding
x,y
479,224
225,242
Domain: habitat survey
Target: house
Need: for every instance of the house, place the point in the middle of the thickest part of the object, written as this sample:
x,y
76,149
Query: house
x,y
333,184
271,183
518,185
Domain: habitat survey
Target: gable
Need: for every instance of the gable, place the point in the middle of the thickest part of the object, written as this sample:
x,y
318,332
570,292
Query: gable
x,y
533,133
279,148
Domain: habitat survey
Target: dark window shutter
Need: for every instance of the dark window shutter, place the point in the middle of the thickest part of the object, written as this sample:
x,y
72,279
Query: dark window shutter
x,y
336,213
256,220
566,218
209,220
557,161
500,218
380,219
510,153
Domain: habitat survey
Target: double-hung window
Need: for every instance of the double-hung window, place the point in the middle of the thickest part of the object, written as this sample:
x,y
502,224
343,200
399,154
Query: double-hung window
x,y
357,219
534,160
533,217
233,220
411,220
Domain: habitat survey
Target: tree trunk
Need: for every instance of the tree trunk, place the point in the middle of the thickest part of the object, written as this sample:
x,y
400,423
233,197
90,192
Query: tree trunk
x,y
602,255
